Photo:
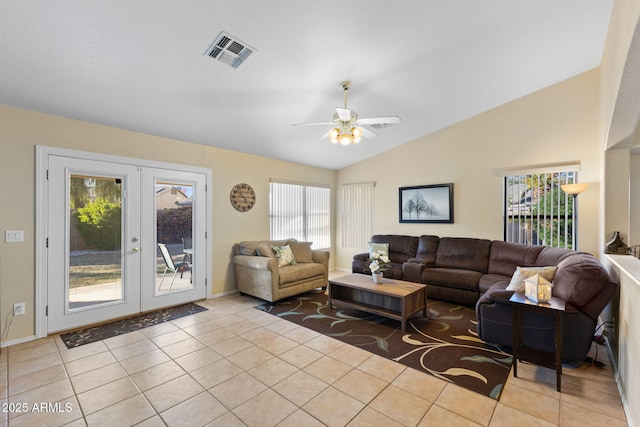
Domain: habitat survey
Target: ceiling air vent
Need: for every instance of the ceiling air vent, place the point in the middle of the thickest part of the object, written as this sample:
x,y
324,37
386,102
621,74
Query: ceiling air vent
x,y
230,50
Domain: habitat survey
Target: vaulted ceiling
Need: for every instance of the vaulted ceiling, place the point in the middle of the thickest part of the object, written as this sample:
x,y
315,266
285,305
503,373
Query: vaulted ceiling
x,y
140,65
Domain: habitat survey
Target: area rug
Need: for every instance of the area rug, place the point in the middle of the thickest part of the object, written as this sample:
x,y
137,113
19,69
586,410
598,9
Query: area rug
x,y
445,345
119,327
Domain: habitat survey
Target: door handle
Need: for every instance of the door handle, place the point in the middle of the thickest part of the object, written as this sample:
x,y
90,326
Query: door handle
x,y
134,250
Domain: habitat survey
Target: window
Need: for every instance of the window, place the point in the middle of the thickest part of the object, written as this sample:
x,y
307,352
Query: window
x,y
357,214
301,212
537,211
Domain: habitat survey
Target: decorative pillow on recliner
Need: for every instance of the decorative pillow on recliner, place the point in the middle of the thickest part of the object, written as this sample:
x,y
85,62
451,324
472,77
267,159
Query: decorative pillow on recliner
x,y
522,273
301,251
377,247
284,255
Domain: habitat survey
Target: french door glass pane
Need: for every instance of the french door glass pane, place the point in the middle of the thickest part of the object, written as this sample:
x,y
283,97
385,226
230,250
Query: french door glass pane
x,y
95,241
174,233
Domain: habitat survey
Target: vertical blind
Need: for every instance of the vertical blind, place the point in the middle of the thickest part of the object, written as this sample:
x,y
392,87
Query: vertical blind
x,y
357,214
537,211
300,212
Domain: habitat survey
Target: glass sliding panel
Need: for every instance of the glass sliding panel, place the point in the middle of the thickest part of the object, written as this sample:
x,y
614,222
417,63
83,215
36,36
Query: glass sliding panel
x,y
174,236
95,241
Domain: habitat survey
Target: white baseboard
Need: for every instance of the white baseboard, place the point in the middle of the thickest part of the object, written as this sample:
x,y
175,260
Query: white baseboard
x,y
616,376
223,294
18,341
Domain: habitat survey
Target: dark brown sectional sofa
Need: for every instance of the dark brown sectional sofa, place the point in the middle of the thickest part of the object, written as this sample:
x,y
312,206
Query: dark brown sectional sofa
x,y
476,272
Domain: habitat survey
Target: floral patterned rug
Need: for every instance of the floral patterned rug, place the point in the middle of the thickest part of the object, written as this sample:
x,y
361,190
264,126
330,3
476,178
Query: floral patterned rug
x,y
119,327
445,345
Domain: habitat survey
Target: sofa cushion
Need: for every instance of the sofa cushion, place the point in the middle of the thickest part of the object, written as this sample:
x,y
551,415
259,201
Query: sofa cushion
x,y
552,256
284,255
265,250
249,247
401,248
463,253
487,281
301,251
452,278
504,257
427,249
523,273
291,274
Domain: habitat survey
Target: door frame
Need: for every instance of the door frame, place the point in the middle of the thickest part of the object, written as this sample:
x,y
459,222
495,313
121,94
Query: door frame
x,y
41,191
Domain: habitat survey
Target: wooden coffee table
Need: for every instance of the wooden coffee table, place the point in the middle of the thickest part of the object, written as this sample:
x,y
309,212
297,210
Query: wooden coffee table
x,y
395,299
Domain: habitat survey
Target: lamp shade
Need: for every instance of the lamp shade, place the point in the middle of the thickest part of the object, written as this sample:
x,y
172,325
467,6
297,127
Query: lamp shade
x,y
333,135
574,189
345,138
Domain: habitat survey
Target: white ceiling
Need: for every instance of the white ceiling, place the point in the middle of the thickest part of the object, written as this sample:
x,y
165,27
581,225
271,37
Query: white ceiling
x,y
139,65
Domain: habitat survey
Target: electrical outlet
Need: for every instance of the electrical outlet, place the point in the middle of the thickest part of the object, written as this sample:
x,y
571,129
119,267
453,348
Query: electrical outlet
x,y
18,309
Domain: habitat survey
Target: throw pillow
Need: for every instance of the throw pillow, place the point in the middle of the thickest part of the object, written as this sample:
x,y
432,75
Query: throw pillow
x,y
265,250
248,247
284,255
377,247
523,273
301,251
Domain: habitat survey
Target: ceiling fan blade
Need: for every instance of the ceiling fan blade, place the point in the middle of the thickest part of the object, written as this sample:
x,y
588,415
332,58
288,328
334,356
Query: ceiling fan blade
x,y
344,114
379,120
313,124
367,133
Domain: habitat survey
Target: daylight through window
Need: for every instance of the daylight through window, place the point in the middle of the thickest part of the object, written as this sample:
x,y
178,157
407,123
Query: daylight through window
x,y
537,211
357,214
301,212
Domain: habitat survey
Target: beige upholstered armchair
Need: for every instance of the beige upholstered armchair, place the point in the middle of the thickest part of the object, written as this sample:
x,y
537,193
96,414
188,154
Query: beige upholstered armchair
x,y
264,274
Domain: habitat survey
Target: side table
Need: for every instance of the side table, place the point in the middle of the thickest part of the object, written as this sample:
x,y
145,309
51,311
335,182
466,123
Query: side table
x,y
552,360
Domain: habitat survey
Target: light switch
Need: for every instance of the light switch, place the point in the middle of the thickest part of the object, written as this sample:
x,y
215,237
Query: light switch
x,y
14,236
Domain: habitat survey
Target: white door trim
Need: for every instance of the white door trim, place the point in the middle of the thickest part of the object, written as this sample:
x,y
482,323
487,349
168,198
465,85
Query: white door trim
x,y
42,154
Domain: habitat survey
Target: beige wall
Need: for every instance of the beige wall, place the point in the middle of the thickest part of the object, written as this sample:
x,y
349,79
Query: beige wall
x,y
21,131
558,124
622,25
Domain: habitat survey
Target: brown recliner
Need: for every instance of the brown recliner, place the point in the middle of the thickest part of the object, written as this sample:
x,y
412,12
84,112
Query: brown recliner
x,y
401,249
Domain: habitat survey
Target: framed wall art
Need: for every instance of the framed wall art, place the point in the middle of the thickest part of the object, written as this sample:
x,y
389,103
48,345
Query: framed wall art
x,y
426,204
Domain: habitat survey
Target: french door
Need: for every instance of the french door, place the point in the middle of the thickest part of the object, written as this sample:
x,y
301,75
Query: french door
x,y
121,238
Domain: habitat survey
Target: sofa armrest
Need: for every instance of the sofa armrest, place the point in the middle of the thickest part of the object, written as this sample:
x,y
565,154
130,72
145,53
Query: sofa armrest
x,y
256,262
412,271
321,257
499,295
361,257
258,276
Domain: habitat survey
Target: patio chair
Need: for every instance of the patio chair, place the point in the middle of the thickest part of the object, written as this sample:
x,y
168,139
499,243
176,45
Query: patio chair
x,y
187,249
170,266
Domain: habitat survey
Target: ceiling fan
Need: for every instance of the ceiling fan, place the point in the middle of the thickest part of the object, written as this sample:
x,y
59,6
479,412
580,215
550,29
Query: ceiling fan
x,y
347,128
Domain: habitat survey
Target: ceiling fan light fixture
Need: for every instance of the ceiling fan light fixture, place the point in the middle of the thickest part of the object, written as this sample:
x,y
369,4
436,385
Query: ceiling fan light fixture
x,y
357,134
333,135
347,127
345,139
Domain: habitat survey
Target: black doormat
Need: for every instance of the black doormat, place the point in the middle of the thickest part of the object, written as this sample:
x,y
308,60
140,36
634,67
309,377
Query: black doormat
x,y
119,327
445,345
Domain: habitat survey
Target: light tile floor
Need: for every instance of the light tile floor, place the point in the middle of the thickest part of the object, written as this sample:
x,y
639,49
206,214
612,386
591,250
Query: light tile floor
x,y
234,365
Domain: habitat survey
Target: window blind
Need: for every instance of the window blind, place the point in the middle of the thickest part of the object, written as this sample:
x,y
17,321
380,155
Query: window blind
x,y
357,214
302,212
